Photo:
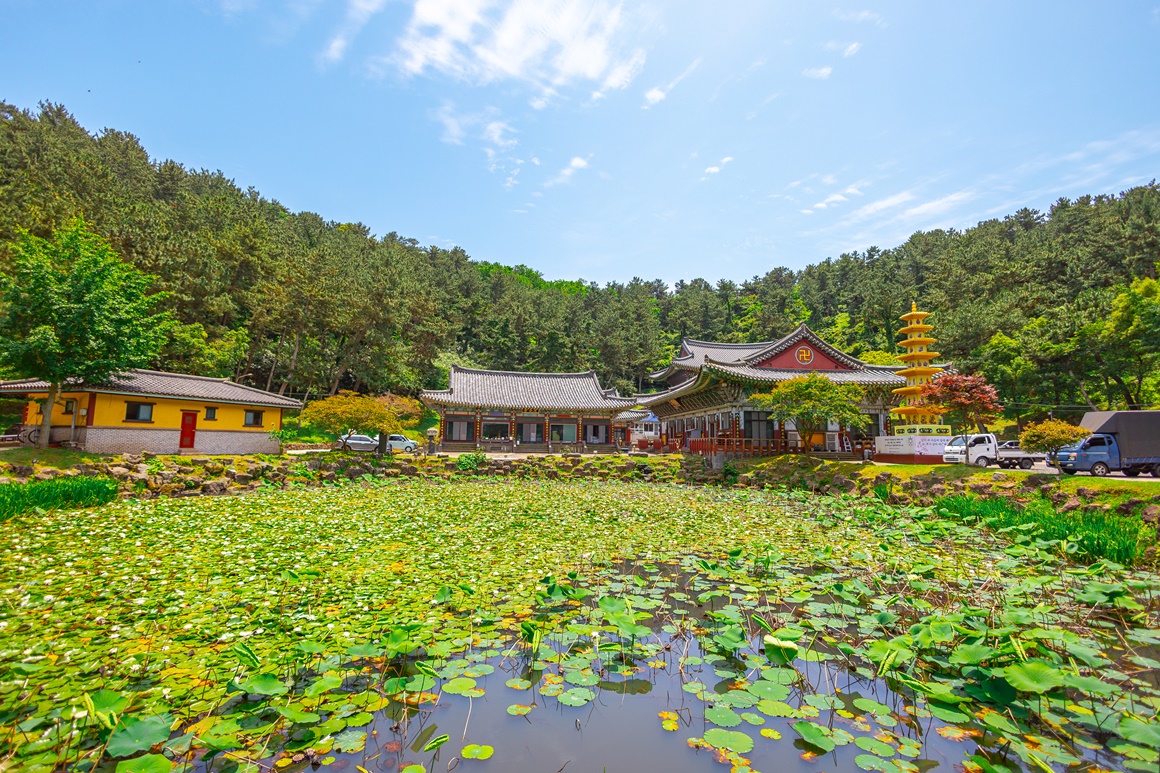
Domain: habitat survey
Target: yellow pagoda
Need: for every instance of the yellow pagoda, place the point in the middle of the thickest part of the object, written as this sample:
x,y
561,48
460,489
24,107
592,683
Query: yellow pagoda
x,y
915,416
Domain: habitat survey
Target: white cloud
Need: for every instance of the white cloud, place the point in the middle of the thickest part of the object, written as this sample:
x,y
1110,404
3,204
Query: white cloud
x,y
829,179
548,43
535,161
939,206
833,198
622,74
818,73
860,17
656,94
882,205
566,173
847,49
715,168
358,13
491,131
454,125
496,133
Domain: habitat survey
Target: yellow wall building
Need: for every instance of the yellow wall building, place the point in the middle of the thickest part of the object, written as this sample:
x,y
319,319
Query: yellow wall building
x,y
147,410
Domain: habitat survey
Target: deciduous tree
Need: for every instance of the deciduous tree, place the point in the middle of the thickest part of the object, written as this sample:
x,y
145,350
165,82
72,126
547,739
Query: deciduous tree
x,y
74,312
964,398
348,412
1049,436
811,403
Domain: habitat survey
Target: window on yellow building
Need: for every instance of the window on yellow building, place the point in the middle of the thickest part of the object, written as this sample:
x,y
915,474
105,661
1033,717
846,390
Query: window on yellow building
x,y
210,413
70,407
138,411
254,418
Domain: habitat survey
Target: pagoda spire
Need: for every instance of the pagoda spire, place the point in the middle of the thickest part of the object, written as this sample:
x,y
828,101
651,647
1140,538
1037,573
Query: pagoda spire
x,y
915,416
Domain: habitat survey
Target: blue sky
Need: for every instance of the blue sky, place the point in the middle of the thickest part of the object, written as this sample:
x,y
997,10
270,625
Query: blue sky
x,y
606,140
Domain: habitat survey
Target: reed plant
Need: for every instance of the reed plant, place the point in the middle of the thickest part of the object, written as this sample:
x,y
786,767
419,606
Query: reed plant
x,y
57,494
1090,535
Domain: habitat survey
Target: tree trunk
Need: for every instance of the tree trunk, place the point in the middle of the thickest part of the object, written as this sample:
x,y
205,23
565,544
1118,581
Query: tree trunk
x,y
277,354
1133,402
1083,391
293,364
344,363
46,422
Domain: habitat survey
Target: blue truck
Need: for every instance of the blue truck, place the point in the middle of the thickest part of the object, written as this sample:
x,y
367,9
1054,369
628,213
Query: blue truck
x,y
1120,440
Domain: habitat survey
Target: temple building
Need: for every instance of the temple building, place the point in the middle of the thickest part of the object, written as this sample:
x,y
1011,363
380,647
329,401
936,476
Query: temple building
x,y
706,409
502,410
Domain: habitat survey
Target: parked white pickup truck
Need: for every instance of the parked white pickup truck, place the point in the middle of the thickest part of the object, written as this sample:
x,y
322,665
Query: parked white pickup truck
x,y
984,450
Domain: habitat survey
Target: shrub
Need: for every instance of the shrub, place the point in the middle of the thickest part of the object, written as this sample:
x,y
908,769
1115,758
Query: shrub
x,y
57,494
471,462
1095,535
729,473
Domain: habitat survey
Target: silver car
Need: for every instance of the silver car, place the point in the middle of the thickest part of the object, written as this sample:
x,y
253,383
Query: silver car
x,y
357,443
401,443
368,443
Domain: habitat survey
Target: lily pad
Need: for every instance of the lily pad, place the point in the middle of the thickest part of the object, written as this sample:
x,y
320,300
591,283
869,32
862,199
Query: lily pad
x,y
139,735
474,751
732,740
577,696
147,763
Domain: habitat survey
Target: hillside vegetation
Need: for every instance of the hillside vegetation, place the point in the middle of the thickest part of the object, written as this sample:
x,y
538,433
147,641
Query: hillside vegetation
x,y
1058,308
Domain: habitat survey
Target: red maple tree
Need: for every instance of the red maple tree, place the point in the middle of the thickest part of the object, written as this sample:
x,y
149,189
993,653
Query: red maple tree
x,y
964,398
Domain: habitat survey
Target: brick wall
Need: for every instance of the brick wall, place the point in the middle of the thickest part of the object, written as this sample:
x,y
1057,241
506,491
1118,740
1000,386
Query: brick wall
x,y
234,442
133,440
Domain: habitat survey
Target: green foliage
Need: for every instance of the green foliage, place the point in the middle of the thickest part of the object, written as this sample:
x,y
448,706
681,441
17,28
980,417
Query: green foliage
x,y
730,473
74,310
1049,436
55,494
350,412
1085,535
471,462
1055,308
811,402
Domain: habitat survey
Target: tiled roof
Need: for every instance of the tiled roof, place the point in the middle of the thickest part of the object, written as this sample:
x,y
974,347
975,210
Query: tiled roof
x,y
801,333
514,390
698,351
868,374
160,384
632,415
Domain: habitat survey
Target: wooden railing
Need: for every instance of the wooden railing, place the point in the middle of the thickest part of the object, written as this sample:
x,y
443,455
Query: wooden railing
x,y
741,446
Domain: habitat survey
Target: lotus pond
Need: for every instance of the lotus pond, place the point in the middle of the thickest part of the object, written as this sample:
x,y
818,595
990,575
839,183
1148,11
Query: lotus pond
x,y
522,626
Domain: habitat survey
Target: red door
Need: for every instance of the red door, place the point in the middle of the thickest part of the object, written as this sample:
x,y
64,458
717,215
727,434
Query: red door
x,y
188,429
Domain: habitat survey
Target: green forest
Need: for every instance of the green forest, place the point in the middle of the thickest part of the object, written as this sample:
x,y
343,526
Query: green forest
x,y
1059,309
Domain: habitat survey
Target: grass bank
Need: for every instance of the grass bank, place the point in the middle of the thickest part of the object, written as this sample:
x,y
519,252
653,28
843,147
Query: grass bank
x,y
58,494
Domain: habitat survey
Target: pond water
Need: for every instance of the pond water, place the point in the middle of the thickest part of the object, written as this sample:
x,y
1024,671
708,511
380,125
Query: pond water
x,y
681,695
